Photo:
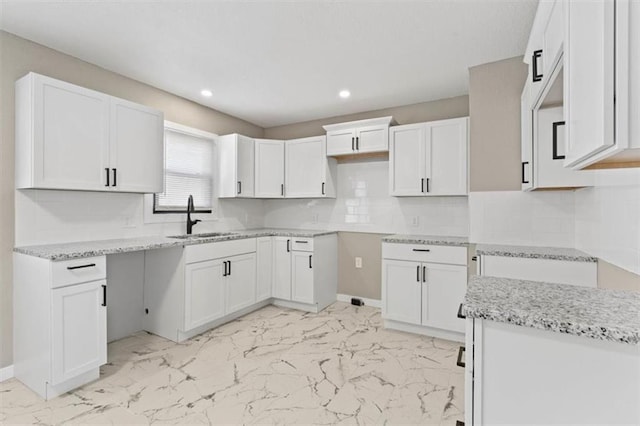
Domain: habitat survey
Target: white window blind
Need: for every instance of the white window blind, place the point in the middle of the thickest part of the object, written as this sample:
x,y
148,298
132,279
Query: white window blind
x,y
188,171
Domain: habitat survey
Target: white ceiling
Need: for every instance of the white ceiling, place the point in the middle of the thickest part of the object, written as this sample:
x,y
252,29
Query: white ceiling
x,y
277,62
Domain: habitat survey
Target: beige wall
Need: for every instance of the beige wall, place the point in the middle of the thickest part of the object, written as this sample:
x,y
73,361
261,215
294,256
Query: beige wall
x,y
494,108
612,277
365,281
416,113
19,56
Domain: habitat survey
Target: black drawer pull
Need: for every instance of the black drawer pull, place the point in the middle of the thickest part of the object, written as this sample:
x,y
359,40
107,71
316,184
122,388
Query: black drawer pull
x,y
460,312
106,169
460,362
424,250
301,242
104,295
88,265
310,266
288,246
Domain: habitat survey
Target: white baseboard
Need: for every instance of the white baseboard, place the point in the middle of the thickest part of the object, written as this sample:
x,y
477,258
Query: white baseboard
x,y
374,303
6,373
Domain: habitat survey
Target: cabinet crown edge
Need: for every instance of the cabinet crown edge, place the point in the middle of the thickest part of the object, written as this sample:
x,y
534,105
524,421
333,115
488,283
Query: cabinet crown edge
x,y
384,121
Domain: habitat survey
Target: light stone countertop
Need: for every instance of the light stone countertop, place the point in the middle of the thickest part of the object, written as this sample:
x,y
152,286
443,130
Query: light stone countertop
x,y
75,250
612,315
531,252
435,240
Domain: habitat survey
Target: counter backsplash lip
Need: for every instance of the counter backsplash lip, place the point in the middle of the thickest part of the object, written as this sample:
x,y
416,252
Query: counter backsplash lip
x,y
534,252
436,240
82,249
602,314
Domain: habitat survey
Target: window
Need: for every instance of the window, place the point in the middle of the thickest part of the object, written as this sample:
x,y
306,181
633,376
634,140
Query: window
x,y
188,171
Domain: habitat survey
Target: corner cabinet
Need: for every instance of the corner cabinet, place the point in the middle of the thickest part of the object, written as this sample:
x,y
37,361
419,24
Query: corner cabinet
x,y
69,137
308,172
60,322
236,167
429,159
422,287
358,137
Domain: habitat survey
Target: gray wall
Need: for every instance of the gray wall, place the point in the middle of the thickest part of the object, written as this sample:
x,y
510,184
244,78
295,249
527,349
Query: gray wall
x,y
19,56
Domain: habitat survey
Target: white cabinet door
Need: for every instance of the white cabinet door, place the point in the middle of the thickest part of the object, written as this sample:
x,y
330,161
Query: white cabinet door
x,y
553,38
70,135
306,167
401,291
137,148
447,157
589,79
526,137
204,293
264,268
407,159
282,268
269,168
443,290
245,166
372,139
340,142
240,282
78,330
302,277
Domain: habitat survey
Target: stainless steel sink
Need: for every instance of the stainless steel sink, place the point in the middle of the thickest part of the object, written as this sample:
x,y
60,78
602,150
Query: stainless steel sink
x,y
204,235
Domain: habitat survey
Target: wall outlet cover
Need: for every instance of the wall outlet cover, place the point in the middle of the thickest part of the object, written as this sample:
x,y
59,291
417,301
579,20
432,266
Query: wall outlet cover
x,y
358,262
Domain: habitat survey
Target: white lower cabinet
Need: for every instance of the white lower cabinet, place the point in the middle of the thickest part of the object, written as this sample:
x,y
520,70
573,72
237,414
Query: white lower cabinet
x,y
240,282
416,291
60,322
302,277
264,268
204,293
282,268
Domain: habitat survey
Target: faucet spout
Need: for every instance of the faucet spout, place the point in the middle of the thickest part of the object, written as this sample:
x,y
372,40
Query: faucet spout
x,y
190,209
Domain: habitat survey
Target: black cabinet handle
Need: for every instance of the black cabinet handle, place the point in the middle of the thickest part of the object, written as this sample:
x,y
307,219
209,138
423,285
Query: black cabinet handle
x,y
459,423
104,295
422,185
424,274
523,164
239,187
302,242
555,140
427,184
282,189
357,143
460,362
352,142
323,188
88,265
106,169
534,60
460,312
418,273
288,246
224,271
115,174
474,258
310,261
425,250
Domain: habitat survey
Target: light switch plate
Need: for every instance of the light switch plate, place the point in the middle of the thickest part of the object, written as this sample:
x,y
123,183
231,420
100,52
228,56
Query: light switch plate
x,y
358,262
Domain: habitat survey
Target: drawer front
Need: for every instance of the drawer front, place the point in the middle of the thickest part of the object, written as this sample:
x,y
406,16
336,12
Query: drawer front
x,y
76,271
209,251
425,253
301,244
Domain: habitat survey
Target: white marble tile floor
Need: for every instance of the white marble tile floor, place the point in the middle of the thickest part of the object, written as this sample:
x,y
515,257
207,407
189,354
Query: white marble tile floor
x,y
273,366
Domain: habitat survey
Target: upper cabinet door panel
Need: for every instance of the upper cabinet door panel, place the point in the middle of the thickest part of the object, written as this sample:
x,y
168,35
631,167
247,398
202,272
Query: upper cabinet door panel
x,y
372,139
407,159
589,78
340,142
246,166
447,165
137,148
553,38
305,167
269,168
71,136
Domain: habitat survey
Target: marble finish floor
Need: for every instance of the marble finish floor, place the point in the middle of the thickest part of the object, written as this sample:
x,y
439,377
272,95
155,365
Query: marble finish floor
x,y
273,366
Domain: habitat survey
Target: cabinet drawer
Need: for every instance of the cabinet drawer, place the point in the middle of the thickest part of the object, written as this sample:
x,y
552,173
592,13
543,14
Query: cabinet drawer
x,y
425,253
76,271
201,252
301,244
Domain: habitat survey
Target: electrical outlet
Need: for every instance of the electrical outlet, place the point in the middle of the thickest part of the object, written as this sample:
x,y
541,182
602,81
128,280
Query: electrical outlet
x,y
415,221
358,262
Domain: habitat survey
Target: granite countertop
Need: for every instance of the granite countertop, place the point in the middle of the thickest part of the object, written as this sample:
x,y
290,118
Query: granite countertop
x,y
427,239
74,250
602,314
553,253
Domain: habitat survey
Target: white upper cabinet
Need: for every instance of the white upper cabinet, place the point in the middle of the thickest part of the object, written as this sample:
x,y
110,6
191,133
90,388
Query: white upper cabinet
x,y
526,137
429,158
308,172
69,137
358,136
236,168
269,168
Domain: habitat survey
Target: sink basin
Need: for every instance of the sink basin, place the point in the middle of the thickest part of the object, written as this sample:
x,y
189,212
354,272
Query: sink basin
x,y
204,235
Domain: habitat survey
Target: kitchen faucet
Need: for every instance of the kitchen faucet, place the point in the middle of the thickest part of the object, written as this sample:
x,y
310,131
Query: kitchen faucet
x,y
190,209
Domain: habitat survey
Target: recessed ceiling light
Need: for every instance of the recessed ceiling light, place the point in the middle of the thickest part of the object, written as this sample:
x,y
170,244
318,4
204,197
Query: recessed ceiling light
x,y
206,93
344,94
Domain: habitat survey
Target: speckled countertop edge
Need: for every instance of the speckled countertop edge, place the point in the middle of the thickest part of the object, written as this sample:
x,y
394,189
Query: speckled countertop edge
x,y
81,249
436,240
602,314
532,252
